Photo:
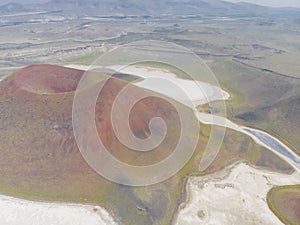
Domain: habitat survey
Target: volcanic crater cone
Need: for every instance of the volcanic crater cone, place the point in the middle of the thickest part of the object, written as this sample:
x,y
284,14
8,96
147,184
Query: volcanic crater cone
x,y
39,157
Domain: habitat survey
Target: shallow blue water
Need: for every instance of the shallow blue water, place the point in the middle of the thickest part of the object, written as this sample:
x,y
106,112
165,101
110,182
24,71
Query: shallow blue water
x,y
274,144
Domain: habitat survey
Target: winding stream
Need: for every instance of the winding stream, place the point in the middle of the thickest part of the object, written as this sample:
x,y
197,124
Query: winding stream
x,y
260,137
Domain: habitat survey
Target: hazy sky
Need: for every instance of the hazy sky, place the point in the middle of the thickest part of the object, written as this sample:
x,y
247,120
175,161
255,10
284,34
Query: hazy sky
x,y
273,3
2,2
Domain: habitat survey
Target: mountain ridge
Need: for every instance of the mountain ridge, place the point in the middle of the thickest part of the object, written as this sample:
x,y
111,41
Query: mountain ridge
x,y
145,7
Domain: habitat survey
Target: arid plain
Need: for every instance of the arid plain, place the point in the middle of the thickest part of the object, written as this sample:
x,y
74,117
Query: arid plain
x,y
254,54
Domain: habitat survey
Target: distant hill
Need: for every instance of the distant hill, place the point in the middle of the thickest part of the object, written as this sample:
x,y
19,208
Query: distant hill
x,y
150,7
12,8
146,7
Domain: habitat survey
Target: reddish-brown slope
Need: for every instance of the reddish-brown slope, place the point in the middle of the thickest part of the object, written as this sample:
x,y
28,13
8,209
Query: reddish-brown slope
x,y
39,157
140,117
48,79
38,123
285,203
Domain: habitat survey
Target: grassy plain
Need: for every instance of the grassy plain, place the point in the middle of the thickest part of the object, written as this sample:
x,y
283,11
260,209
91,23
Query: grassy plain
x,y
39,158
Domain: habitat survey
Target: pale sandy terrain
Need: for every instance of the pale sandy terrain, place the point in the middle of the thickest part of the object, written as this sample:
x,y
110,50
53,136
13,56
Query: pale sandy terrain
x,y
15,211
237,198
188,92
81,67
3,77
168,84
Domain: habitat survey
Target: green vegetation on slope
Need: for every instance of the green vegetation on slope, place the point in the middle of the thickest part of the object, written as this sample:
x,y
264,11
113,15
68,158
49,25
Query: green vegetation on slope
x,y
261,100
40,159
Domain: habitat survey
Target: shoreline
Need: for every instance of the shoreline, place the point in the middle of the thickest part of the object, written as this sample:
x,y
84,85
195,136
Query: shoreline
x,y
60,213
224,122
187,197
228,182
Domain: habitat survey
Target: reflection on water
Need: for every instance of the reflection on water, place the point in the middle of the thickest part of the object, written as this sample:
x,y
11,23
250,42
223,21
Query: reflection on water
x,y
274,144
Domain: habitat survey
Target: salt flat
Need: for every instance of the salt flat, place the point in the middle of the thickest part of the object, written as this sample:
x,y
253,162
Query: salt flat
x,y
18,211
188,92
236,195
